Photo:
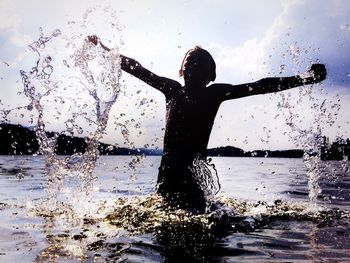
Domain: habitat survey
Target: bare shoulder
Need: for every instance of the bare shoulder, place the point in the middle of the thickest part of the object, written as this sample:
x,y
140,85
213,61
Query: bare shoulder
x,y
225,91
168,86
219,89
170,83
219,85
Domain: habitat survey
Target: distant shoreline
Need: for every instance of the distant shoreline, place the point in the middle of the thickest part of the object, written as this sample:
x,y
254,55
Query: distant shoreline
x,y
19,140
16,139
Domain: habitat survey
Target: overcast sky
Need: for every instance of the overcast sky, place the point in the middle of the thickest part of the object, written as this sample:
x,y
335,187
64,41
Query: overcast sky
x,y
248,39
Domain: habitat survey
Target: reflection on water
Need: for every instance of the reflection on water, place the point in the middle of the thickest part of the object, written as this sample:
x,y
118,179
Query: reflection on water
x,y
274,222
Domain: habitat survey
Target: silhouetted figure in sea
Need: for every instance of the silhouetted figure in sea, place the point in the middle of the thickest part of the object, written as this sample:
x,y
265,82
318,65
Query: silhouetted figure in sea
x,y
190,114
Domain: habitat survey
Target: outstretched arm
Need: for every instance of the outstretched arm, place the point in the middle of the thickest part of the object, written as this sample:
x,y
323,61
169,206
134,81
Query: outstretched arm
x,y
137,70
316,74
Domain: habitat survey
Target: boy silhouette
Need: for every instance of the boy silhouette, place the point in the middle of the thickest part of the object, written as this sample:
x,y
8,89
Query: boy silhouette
x,y
190,114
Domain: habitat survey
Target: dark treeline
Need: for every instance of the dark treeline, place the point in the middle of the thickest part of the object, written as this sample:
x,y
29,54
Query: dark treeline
x,y
230,151
19,140
337,150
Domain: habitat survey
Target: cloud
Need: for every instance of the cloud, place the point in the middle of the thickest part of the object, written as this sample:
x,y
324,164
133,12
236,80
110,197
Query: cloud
x,y
252,59
305,32
316,30
13,41
7,21
239,63
9,25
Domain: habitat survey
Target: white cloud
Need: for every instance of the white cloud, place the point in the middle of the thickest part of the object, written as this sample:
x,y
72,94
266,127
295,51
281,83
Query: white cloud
x,y
336,8
303,33
250,60
240,62
13,49
9,25
19,40
8,20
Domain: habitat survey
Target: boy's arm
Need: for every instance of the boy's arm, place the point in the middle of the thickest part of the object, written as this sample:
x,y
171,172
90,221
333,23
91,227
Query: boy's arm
x,y
136,69
316,74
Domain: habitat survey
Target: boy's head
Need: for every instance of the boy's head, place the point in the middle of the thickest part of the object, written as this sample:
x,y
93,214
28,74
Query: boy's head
x,y
198,64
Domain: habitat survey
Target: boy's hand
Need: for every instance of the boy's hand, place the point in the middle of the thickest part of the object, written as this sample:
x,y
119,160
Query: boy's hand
x,y
93,39
317,72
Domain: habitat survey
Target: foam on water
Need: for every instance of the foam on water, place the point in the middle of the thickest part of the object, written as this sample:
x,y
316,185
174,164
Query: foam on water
x,y
150,215
146,214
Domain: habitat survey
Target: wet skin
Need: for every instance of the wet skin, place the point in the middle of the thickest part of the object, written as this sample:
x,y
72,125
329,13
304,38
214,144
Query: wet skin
x,y
190,114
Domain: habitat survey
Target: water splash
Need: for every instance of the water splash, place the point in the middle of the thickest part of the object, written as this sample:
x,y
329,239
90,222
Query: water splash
x,y
207,178
70,179
322,114
307,139
150,214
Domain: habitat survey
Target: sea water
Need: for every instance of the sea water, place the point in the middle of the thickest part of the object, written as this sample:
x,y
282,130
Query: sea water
x,y
139,230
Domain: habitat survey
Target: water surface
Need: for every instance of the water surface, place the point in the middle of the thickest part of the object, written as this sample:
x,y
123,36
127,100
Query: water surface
x,y
28,235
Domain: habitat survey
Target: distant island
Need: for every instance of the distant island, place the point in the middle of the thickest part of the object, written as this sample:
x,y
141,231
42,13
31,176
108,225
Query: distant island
x,y
19,140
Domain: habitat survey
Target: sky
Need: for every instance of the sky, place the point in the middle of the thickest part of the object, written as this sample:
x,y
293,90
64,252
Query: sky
x,y
249,40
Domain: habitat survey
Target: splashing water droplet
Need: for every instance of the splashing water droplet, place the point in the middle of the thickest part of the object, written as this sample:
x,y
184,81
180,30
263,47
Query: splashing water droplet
x,y
69,180
309,137
206,177
282,69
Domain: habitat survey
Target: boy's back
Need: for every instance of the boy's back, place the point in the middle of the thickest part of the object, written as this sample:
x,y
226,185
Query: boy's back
x,y
189,121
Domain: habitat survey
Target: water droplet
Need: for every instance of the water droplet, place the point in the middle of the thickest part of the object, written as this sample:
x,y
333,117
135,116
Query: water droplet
x,y
19,176
282,69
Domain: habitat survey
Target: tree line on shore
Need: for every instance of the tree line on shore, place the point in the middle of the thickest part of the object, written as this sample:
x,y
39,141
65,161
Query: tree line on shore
x,y
337,150
19,140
